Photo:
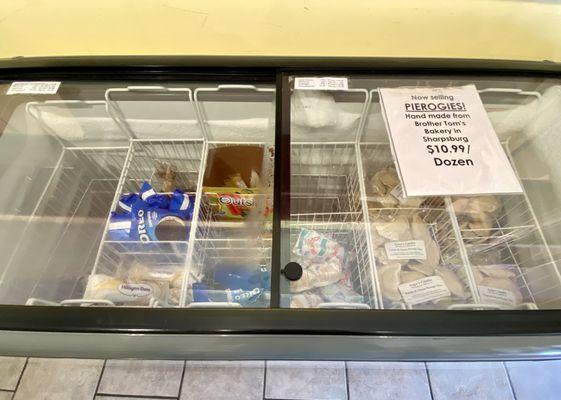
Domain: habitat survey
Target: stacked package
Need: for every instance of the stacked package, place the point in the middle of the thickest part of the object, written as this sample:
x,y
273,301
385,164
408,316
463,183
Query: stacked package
x,y
326,272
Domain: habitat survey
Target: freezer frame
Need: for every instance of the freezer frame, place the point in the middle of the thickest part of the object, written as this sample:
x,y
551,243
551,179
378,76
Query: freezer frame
x,y
278,333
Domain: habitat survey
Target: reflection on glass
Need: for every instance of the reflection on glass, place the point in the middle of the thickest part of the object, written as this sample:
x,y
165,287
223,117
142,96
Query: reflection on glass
x,y
361,244
132,198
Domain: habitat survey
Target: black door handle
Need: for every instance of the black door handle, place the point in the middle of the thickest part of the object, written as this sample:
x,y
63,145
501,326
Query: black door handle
x,y
292,271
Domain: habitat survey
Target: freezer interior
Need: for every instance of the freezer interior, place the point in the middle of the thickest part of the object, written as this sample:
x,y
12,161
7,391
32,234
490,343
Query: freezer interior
x,y
128,194
138,195
477,252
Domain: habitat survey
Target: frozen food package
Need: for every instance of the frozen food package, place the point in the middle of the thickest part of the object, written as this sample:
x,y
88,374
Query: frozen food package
x,y
384,191
171,274
405,238
383,181
477,216
174,296
452,282
409,264
182,204
313,246
255,297
318,274
104,287
498,285
389,276
340,293
314,109
126,201
440,289
119,228
246,285
233,276
324,261
421,231
308,299
346,278
238,204
395,229
255,180
236,181
151,216
167,173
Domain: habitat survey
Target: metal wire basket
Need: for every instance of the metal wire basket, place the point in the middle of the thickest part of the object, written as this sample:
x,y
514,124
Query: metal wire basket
x,y
326,198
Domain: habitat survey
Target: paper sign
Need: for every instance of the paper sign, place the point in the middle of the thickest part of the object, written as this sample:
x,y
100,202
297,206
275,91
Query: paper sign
x,y
423,290
33,87
406,250
325,83
500,297
444,144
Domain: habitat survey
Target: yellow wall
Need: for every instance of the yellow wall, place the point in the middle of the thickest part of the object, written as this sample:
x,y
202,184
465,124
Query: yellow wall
x,y
490,29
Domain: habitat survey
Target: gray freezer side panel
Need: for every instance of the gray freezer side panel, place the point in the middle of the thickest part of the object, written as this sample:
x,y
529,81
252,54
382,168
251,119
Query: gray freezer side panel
x,y
286,347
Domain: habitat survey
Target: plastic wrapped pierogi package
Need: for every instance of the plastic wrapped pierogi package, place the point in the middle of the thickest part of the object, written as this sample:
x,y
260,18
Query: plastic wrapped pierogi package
x,y
417,260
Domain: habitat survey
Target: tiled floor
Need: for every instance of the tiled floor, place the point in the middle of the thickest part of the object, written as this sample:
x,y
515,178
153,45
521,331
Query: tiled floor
x,y
36,378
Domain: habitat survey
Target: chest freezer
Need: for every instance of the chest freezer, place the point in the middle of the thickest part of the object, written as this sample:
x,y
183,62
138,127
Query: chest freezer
x,y
190,215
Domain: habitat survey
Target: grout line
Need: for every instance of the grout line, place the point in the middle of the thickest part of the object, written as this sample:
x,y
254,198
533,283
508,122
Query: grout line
x,y
347,381
20,376
509,380
138,396
265,380
429,381
99,380
182,378
8,391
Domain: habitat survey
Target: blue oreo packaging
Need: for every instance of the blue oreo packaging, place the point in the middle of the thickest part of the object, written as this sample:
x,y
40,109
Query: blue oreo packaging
x,y
119,227
152,198
243,277
256,297
151,216
248,286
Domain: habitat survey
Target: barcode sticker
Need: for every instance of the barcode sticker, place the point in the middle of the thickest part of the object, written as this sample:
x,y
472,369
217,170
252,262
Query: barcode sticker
x,y
39,87
324,83
500,297
406,250
423,290
397,192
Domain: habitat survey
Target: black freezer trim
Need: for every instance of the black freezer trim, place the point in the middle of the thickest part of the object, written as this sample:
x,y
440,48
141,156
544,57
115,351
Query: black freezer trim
x,y
280,177
276,62
279,321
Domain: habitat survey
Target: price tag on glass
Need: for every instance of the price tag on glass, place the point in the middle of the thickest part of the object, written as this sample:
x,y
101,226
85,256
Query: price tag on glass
x,y
321,83
444,144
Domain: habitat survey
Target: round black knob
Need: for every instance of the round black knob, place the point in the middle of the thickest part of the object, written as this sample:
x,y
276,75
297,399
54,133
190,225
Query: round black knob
x,y
292,271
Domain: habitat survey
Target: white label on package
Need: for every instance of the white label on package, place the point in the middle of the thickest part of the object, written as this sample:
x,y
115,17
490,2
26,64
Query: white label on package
x,y
397,192
406,250
325,83
135,289
33,87
444,144
500,297
423,290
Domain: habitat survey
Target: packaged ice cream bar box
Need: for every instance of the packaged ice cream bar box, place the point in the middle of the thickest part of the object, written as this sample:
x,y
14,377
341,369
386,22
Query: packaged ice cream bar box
x,y
233,203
